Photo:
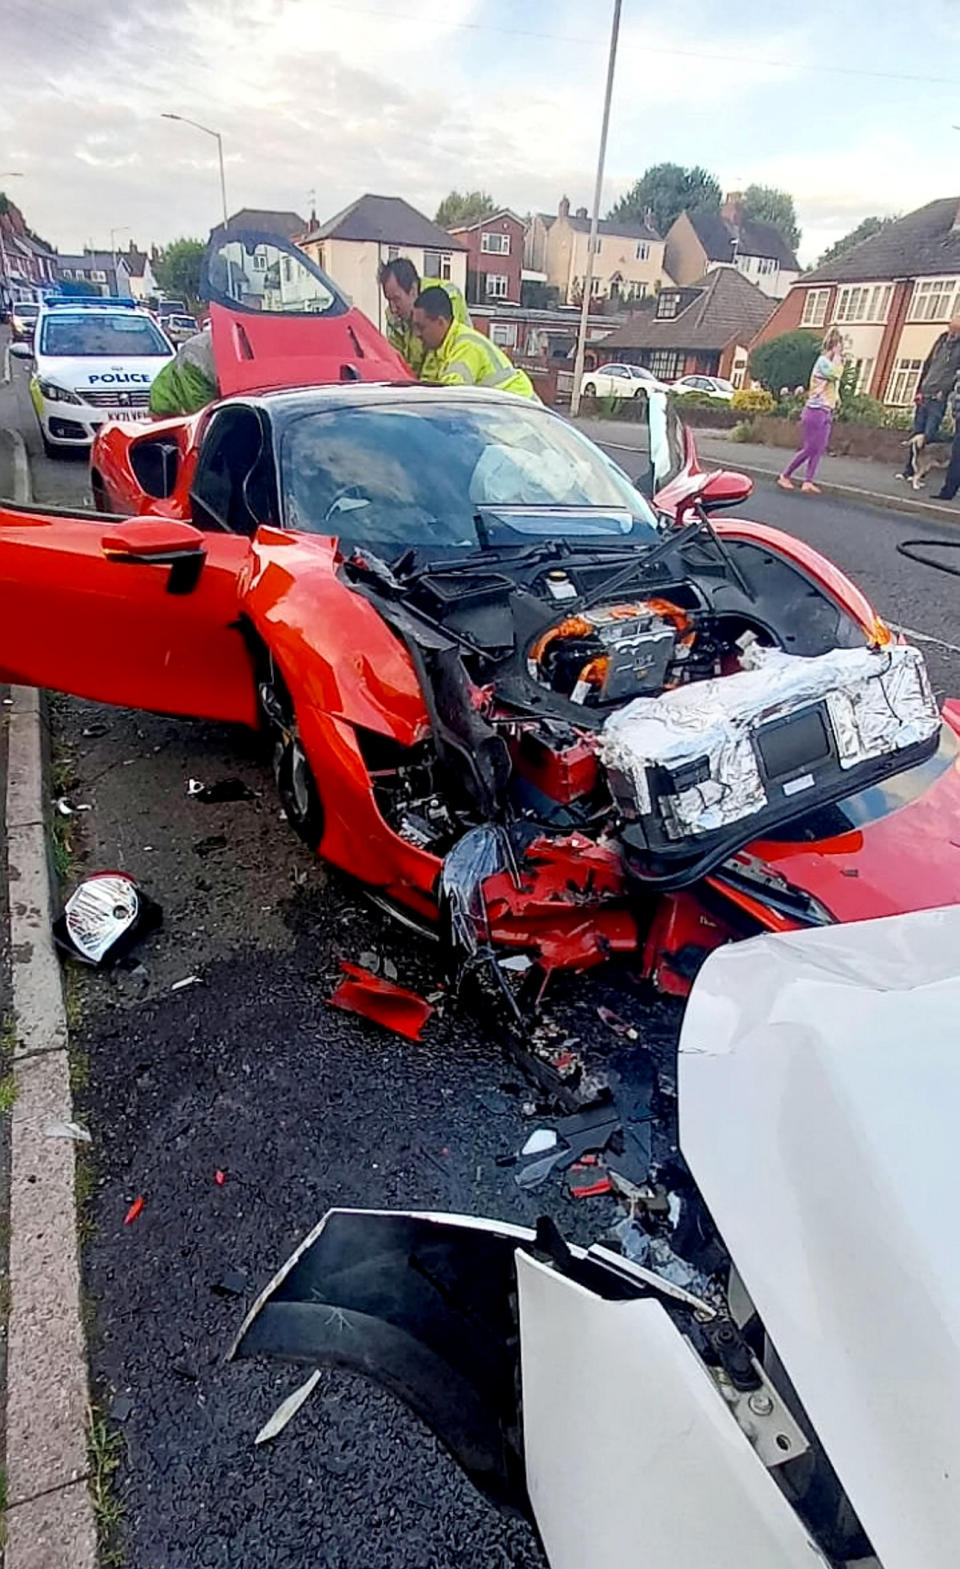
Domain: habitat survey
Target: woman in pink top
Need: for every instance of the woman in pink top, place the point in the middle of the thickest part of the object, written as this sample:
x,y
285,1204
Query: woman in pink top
x,y
817,417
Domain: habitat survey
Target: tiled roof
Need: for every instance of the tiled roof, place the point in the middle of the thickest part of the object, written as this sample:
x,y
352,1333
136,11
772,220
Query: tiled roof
x,y
753,238
263,221
90,261
922,244
386,220
615,226
481,223
135,262
724,305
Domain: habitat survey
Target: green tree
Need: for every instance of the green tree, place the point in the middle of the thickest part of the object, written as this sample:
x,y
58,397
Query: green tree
x,y
177,269
865,230
664,191
785,361
768,204
461,207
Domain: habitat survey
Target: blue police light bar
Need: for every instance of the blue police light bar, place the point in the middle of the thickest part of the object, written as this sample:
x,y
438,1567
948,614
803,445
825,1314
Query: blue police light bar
x,y
69,301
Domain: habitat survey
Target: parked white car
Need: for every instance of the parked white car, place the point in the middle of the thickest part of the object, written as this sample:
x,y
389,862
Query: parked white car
x,y
713,386
618,381
94,360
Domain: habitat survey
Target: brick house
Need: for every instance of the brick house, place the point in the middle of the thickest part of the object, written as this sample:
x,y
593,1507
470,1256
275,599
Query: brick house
x,y
353,244
99,272
704,329
697,242
891,295
494,256
26,264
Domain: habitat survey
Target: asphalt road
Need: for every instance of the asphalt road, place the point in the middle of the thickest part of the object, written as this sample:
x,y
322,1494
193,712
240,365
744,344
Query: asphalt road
x,y
247,1071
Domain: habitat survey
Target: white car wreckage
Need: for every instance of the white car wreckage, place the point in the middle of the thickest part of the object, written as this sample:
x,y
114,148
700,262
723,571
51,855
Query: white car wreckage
x,y
801,1409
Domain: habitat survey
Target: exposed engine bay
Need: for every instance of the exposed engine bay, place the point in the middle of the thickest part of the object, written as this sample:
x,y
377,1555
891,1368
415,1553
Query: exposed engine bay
x,y
675,700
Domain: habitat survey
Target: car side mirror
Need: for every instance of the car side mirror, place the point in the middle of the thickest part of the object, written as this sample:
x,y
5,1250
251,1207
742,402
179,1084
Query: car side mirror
x,y
152,541
712,492
21,351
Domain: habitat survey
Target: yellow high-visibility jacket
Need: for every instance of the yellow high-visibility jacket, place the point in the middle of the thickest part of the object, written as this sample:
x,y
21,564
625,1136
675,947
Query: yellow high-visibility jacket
x,y
401,336
467,358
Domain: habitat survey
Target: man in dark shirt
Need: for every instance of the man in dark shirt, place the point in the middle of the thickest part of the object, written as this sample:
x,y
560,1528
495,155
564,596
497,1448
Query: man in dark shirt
x,y
937,377
951,480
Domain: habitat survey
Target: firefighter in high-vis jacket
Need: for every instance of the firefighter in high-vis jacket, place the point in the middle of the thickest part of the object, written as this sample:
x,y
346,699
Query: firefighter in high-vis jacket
x,y
458,356
401,284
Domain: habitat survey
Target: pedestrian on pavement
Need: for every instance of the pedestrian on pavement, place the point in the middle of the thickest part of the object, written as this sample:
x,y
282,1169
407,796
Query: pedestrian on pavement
x,y
935,386
188,382
401,284
951,480
817,417
457,356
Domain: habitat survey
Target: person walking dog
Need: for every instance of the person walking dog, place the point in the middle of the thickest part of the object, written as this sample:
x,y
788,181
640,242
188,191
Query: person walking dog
x,y
817,417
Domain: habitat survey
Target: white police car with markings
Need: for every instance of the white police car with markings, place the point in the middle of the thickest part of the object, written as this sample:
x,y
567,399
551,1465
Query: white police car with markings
x,y
94,360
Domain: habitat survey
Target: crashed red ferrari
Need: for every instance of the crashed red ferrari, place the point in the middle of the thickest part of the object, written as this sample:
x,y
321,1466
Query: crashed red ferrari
x,y
533,704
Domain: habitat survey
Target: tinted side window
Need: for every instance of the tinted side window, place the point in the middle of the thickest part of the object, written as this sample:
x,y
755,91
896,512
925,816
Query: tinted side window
x,y
233,487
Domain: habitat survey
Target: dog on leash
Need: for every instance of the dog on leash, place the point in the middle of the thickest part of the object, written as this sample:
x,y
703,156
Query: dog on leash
x,y
923,460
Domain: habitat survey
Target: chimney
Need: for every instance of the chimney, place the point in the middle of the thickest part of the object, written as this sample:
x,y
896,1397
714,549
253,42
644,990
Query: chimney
x,y
732,209
563,211
581,212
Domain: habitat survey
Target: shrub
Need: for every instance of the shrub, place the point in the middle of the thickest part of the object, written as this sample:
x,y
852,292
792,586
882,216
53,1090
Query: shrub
x,y
785,361
859,409
743,432
753,400
698,400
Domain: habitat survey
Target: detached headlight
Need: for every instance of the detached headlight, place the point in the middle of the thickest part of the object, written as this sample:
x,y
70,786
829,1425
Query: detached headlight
x,y
55,394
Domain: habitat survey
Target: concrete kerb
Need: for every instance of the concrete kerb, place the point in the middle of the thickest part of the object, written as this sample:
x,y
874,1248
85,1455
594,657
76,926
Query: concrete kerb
x,y
49,1519
942,512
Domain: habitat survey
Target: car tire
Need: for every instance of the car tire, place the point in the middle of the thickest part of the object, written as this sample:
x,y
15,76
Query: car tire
x,y
296,785
590,390
98,494
50,449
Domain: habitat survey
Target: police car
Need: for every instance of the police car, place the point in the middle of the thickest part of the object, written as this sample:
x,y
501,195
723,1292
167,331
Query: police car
x,y
95,360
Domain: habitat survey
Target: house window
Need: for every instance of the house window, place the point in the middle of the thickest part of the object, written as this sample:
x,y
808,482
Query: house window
x,y
497,285
594,245
815,308
260,261
666,364
596,287
864,302
287,269
643,251
668,306
97,276
638,291
933,299
903,382
495,244
436,264
864,370
393,251
67,272
766,265
504,334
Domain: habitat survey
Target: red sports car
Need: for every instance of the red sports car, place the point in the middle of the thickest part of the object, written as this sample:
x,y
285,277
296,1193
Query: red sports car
x,y
533,704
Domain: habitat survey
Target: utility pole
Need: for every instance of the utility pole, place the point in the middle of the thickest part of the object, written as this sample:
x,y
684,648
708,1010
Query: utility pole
x,y
595,216
219,141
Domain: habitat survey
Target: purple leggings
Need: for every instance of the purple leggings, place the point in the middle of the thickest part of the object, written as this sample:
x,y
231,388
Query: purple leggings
x,y
815,424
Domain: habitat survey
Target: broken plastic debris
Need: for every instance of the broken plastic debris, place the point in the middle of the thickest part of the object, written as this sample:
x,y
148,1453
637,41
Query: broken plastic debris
x,y
136,1208
518,963
104,917
121,1407
220,1178
188,980
233,1284
540,1140
67,1130
380,1000
287,1409
222,790
67,808
616,1023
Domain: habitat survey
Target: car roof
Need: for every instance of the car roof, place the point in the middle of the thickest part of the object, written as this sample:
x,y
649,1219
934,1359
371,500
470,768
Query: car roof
x,y
284,403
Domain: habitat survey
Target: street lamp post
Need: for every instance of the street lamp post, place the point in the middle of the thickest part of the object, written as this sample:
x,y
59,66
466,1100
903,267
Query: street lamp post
x,y
595,216
184,120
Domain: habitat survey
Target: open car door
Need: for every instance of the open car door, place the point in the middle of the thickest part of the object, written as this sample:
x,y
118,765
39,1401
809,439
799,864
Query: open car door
x,y
279,321
141,612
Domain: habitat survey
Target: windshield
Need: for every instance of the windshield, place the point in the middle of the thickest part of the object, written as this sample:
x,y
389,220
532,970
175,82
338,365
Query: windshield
x,y
26,312
87,335
391,477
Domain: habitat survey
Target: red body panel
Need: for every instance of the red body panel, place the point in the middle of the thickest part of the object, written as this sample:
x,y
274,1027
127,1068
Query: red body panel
x,y
113,476
256,352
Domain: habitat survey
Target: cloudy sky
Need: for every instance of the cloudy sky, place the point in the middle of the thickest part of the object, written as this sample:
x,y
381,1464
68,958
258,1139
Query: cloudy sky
x,y
848,104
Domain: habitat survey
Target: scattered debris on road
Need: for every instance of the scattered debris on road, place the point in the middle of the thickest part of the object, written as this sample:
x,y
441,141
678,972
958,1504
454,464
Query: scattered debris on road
x,y
287,1409
188,980
104,917
381,1000
222,790
68,1130
135,1210
66,808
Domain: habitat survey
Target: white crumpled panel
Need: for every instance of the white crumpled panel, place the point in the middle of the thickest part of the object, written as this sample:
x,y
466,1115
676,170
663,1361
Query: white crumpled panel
x,y
878,701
